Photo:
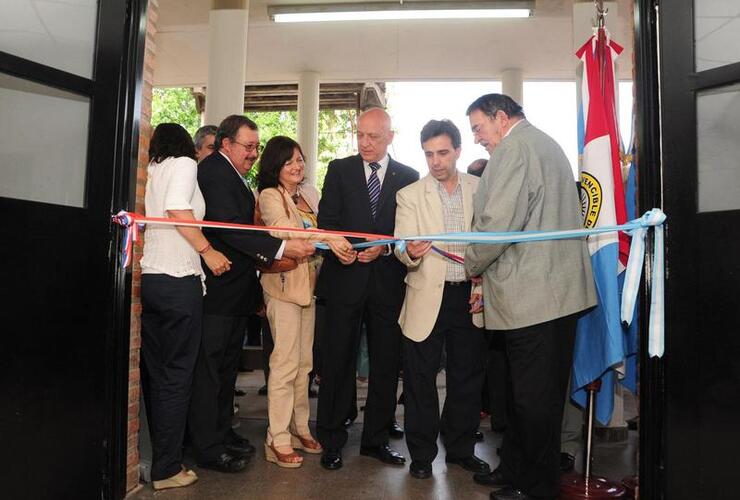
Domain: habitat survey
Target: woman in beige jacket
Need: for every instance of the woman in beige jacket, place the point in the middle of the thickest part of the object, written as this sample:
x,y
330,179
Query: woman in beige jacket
x,y
285,202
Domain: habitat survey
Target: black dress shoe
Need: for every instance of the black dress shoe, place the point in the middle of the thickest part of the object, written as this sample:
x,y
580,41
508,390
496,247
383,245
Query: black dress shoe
x,y
238,445
241,451
567,461
262,391
384,453
471,463
233,438
394,430
420,470
510,493
479,437
331,459
494,479
226,462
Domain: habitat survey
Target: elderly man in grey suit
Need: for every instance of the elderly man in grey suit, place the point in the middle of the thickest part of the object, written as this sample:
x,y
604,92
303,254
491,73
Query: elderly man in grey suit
x,y
534,291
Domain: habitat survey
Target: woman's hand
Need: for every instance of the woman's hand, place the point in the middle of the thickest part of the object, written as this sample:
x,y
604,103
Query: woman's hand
x,y
216,261
342,249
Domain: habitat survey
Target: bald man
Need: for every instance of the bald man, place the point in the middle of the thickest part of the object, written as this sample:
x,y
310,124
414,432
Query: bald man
x,y
360,195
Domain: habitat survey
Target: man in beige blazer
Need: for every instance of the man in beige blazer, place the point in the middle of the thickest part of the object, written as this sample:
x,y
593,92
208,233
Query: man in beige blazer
x,y
437,309
534,291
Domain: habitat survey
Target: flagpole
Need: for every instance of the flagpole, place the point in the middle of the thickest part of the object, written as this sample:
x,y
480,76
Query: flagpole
x,y
576,486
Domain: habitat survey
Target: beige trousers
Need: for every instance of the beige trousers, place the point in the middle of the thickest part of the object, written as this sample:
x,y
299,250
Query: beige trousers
x,y
292,328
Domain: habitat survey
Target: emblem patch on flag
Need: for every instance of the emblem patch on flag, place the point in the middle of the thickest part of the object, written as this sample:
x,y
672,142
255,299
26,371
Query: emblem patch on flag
x,y
590,191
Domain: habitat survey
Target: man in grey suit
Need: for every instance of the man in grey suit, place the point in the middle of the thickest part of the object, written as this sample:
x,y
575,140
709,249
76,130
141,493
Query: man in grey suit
x,y
534,291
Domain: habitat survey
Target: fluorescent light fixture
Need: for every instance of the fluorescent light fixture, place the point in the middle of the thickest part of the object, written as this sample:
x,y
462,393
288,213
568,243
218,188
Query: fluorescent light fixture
x,y
383,11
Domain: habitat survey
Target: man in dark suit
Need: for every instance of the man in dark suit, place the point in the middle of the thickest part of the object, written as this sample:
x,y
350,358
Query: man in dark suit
x,y
228,299
360,195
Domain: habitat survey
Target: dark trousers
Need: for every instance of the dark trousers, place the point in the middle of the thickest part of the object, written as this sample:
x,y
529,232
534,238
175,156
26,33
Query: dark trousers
x,y
465,346
539,358
339,369
496,382
211,405
171,318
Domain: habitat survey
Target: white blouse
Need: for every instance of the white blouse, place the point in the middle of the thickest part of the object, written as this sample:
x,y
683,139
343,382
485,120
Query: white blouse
x,y
171,185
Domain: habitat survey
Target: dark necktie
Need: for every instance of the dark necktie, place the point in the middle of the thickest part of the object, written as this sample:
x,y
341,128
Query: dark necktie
x,y
373,188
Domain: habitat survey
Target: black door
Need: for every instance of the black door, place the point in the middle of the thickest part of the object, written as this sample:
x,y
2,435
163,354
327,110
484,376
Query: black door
x,y
68,99
692,397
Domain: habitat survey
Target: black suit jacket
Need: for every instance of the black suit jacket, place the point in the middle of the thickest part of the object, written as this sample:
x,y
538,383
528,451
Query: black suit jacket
x,y
229,200
345,206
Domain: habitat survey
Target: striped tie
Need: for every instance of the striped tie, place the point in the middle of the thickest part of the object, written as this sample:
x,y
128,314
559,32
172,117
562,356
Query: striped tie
x,y
373,188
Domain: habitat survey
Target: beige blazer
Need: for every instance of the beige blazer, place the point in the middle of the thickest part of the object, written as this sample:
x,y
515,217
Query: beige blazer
x,y
419,212
294,286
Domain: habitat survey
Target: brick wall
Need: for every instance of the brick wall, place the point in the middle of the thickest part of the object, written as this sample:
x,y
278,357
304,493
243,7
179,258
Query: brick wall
x,y
134,387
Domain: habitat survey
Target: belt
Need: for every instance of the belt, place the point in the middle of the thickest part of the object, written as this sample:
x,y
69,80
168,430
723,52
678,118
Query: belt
x,y
456,283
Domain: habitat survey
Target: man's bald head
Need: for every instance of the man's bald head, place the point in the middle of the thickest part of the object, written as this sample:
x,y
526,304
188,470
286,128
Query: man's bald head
x,y
374,134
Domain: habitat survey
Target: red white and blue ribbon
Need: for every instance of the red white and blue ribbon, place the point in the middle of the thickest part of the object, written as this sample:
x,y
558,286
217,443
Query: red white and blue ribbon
x,y
637,228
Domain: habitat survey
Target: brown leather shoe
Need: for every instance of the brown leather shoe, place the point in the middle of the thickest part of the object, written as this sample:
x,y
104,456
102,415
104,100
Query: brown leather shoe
x,y
179,480
286,460
307,444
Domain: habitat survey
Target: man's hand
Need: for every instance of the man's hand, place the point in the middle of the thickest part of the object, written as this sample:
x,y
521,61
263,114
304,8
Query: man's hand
x,y
418,249
476,303
343,250
298,249
370,254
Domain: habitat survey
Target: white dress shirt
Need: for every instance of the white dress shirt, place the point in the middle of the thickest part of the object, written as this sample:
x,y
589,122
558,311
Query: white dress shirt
x,y
381,171
171,185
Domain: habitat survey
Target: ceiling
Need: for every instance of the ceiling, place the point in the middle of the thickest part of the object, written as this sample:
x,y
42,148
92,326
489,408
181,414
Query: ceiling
x,y
541,47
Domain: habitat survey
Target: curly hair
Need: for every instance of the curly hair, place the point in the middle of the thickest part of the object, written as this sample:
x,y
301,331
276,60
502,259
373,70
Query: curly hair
x,y
170,139
278,150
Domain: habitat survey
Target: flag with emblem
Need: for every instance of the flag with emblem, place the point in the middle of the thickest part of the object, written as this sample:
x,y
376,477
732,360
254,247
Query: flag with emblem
x,y
600,343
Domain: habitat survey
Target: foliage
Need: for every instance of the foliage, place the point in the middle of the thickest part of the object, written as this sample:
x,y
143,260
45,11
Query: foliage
x,y
175,105
336,127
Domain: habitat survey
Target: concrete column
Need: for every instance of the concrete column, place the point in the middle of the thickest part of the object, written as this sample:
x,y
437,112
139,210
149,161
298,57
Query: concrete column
x,y
512,84
308,121
227,59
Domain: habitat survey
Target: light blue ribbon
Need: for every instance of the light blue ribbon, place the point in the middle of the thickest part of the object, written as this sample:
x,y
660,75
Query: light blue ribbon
x,y
637,228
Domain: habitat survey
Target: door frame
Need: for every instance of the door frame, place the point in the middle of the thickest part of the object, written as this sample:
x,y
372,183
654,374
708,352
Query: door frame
x,y
127,80
115,96
649,177
669,425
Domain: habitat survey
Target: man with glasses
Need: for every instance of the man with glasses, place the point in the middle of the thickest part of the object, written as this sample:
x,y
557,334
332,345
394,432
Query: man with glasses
x,y
227,302
534,291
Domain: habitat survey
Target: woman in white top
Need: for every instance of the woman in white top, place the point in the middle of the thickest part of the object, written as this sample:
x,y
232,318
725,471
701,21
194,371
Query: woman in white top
x,y
172,298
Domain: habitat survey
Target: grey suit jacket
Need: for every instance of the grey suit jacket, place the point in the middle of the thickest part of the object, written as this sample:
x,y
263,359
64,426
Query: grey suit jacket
x,y
528,186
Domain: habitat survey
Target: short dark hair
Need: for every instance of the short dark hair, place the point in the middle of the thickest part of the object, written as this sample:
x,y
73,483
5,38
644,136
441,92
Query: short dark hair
x,y
490,104
277,151
170,139
435,128
202,133
230,126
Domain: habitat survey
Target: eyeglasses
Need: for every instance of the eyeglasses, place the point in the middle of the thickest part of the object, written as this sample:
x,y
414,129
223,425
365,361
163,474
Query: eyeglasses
x,y
250,148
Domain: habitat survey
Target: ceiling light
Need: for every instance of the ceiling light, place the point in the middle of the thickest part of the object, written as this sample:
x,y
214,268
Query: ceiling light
x,y
383,11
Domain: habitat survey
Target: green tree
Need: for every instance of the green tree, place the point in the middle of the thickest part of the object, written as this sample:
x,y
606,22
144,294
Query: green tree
x,y
336,127
175,105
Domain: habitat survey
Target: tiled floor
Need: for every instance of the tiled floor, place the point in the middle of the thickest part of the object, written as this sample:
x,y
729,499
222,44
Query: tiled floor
x,y
361,477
